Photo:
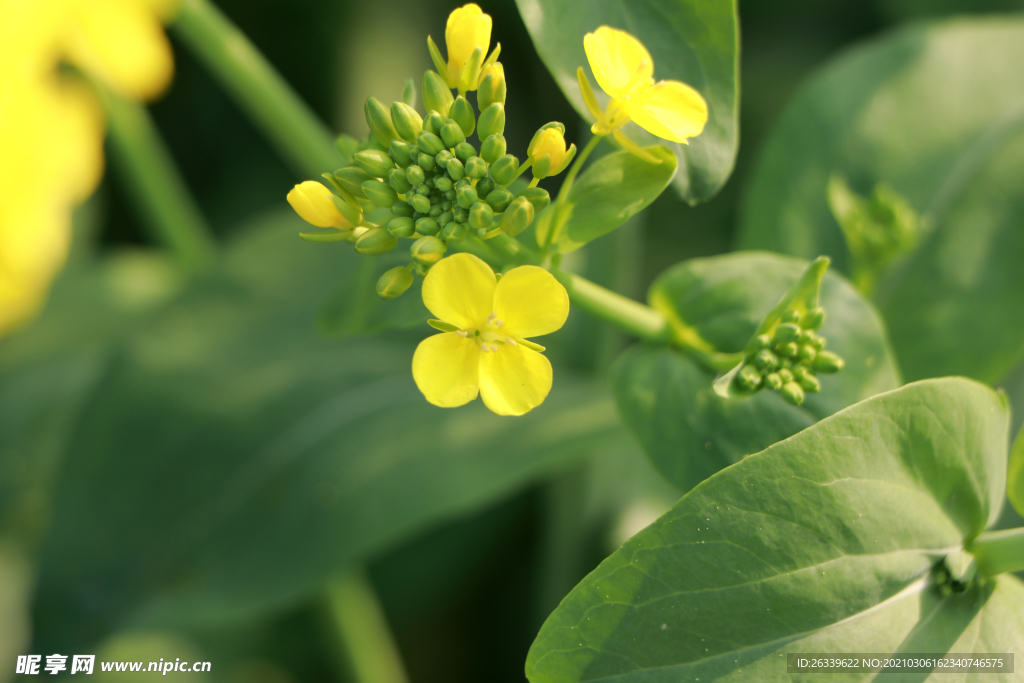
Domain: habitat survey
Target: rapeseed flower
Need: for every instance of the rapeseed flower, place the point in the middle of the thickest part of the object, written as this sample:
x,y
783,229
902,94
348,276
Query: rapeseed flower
x,y
318,206
467,37
484,348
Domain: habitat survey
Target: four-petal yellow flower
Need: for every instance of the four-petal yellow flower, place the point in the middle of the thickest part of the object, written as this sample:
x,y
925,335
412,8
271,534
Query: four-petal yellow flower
x,y
624,69
486,352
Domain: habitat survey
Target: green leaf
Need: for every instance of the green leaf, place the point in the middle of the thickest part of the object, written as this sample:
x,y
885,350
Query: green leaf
x,y
927,111
232,458
610,192
666,397
1015,476
693,41
825,543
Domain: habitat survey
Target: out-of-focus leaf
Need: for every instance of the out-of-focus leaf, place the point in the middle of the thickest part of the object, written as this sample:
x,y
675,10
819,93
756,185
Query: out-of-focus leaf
x,y
1015,476
233,458
667,400
928,111
610,192
797,549
693,41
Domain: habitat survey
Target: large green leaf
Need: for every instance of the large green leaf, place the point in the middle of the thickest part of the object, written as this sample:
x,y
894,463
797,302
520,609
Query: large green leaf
x,y
931,111
233,459
667,399
1015,475
610,192
694,41
824,543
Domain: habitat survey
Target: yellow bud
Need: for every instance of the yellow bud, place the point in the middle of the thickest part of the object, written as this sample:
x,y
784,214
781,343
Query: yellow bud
x,y
548,152
468,29
315,204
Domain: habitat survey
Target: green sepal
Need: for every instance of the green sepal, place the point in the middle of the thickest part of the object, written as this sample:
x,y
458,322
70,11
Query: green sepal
x,y
380,193
470,76
352,214
801,297
374,162
351,178
532,345
409,93
437,96
379,119
346,146
376,241
442,325
439,63
345,194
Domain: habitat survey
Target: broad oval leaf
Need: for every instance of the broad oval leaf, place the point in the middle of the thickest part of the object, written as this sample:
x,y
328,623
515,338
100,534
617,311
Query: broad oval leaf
x,y
825,543
931,111
1015,475
693,41
610,192
667,400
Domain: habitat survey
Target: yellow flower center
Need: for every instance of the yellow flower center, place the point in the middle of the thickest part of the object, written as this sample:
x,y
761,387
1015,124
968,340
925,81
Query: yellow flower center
x,y
486,336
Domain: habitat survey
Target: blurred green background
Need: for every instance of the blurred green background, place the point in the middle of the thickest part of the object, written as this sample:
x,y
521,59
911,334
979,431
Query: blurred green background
x,y
464,595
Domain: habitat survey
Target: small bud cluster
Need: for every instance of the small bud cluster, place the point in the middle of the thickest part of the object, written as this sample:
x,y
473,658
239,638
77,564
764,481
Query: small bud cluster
x,y
789,359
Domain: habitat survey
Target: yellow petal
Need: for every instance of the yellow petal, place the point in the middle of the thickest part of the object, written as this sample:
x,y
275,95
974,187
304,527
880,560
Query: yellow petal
x,y
312,201
122,43
671,110
619,61
514,379
530,302
446,369
468,28
460,290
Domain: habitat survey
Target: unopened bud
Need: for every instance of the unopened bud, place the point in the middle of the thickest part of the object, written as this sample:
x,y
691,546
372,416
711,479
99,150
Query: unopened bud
x,y
419,202
828,362
809,383
374,162
394,283
517,216
437,96
548,152
766,360
454,232
492,86
455,169
427,226
351,179
493,148
499,199
415,175
786,332
428,250
807,352
434,122
379,119
791,316
402,209
748,378
813,318
463,151
484,186
466,196
317,206
397,180
380,193
763,341
376,241
429,143
538,196
451,134
773,381
401,152
402,226
492,120
481,215
476,168
426,162
461,112
792,392
407,121
789,350
503,170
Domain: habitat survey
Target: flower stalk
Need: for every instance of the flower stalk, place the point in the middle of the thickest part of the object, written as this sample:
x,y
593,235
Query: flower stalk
x,y
999,552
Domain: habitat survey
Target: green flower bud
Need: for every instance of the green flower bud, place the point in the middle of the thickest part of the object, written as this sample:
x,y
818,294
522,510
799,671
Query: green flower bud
x,y
748,378
402,226
428,250
401,152
499,199
813,318
809,383
419,202
766,360
773,381
433,123
517,216
463,151
435,211
426,162
828,362
462,113
786,375
394,283
492,120
443,184
445,218
379,119
402,209
407,121
786,332
427,226
807,353
429,143
423,190
380,193
789,350
454,232
791,316
374,162
504,169
476,168
493,148
492,87
456,169
415,175
792,392
376,241
805,337
819,342
351,179
452,134
481,215
538,196
397,180
436,94
461,215
466,196
484,186
449,194
763,341
443,157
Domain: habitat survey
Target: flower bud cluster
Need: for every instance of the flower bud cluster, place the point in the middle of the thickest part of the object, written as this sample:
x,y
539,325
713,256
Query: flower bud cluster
x,y
790,358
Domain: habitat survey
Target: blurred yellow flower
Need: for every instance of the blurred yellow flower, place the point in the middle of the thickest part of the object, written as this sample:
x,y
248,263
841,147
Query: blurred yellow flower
x,y
51,129
486,351
467,37
318,206
624,69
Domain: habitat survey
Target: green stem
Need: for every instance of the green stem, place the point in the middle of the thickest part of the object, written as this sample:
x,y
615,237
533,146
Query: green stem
x,y
633,317
147,169
362,628
574,171
299,136
999,552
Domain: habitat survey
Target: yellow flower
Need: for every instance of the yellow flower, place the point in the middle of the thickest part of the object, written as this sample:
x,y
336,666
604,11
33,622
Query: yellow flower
x,y
547,151
624,69
487,352
467,36
316,205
